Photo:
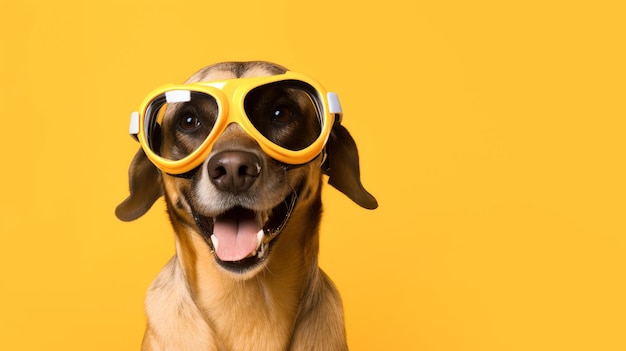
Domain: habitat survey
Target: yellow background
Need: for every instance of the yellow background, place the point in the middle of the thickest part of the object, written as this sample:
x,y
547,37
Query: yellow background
x,y
491,132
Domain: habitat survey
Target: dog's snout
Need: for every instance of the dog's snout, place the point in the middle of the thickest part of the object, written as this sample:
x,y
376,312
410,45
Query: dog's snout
x,y
234,171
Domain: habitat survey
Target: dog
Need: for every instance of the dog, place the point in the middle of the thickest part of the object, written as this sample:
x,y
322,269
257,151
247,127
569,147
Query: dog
x,y
219,294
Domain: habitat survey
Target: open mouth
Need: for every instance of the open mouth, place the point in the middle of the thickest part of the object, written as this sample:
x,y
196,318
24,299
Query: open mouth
x,y
242,238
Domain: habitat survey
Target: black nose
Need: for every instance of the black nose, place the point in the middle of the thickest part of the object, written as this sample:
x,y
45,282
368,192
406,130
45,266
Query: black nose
x,y
234,171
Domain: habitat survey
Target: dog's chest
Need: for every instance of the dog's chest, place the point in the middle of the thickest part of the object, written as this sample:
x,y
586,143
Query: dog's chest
x,y
252,317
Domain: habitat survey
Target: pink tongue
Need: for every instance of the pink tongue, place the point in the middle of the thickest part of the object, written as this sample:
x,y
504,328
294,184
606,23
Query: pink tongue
x,y
236,232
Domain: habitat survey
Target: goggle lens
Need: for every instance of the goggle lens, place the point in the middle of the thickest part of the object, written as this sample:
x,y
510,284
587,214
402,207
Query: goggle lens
x,y
287,113
177,126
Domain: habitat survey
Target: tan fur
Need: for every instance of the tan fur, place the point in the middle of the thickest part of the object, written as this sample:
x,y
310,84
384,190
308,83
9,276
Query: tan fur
x,y
289,304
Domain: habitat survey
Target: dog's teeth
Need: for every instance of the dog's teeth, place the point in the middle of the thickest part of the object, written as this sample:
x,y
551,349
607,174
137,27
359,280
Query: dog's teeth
x,y
214,241
259,237
262,250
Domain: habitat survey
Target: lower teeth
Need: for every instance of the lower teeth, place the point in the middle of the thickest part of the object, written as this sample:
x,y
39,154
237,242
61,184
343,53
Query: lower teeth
x,y
262,252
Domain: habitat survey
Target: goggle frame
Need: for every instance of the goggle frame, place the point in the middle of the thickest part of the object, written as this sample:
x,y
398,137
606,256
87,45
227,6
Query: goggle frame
x,y
230,95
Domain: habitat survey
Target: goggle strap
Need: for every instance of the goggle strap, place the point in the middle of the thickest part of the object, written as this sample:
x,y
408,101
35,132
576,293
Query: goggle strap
x,y
324,156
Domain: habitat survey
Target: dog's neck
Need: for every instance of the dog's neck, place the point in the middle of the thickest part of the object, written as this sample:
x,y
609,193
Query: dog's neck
x,y
269,299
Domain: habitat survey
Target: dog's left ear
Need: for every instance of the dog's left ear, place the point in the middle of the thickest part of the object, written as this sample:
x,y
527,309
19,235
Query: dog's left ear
x,y
145,188
342,167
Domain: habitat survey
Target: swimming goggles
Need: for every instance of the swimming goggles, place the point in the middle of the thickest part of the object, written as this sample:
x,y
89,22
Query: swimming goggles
x,y
290,116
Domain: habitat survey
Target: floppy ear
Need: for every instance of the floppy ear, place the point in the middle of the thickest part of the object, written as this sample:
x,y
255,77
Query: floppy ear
x,y
342,167
145,188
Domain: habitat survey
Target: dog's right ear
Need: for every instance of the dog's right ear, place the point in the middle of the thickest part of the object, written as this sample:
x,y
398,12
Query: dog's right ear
x,y
145,188
342,167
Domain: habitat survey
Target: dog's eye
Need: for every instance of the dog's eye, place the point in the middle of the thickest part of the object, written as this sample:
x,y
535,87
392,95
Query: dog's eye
x,y
283,114
189,122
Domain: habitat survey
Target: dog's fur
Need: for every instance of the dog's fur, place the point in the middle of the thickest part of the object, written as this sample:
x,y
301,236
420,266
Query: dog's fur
x,y
285,303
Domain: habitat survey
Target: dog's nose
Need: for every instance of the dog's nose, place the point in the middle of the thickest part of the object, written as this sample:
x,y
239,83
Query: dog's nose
x,y
234,171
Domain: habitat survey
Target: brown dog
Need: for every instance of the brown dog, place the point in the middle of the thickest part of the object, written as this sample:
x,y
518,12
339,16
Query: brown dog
x,y
274,298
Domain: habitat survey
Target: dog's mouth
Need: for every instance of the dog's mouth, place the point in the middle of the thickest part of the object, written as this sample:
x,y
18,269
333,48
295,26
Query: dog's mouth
x,y
242,238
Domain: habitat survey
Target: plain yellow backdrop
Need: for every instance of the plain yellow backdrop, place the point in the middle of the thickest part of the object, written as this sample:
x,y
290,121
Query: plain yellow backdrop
x,y
491,132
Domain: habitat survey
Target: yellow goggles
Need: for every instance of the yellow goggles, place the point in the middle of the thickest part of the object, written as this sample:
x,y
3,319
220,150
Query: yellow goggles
x,y
290,116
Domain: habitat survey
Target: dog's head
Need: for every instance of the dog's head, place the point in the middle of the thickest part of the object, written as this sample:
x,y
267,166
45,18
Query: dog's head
x,y
239,198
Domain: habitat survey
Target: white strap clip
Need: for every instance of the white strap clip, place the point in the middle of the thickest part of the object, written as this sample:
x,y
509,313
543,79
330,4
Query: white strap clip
x,y
134,123
334,106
